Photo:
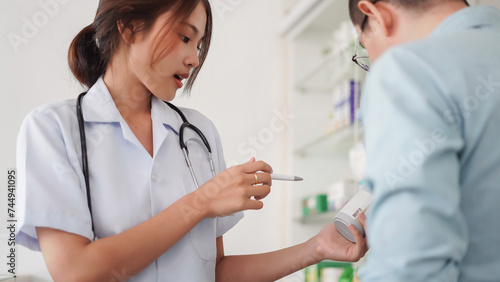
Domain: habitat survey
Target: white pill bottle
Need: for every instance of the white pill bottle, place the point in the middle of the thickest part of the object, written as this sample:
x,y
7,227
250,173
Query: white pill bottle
x,y
347,215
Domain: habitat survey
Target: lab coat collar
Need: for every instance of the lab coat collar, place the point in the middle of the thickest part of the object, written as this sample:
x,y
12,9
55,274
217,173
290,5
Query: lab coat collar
x,y
165,114
470,17
98,106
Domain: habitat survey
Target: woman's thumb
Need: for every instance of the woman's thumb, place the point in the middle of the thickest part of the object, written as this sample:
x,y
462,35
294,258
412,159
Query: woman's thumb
x,y
251,160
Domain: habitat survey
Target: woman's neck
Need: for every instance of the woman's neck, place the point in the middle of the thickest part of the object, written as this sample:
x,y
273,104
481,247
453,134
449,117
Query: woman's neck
x,y
131,97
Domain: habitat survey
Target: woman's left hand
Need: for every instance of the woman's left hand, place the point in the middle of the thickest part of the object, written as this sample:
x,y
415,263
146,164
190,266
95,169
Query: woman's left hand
x,y
330,244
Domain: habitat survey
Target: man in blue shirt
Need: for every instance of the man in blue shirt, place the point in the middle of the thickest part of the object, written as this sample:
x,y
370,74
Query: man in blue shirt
x,y
431,109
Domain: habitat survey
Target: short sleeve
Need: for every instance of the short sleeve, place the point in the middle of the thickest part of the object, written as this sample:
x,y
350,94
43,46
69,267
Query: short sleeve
x,y
49,188
225,223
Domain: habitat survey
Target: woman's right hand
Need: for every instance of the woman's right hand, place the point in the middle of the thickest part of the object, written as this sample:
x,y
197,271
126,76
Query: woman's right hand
x,y
232,190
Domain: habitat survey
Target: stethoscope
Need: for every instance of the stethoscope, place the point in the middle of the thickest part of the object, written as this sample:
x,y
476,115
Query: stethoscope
x,y
183,145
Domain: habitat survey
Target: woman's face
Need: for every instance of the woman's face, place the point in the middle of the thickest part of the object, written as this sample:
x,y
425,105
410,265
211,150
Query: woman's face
x,y
167,75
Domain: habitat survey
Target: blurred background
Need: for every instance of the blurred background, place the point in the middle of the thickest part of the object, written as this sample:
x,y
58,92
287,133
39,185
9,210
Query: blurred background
x,y
278,84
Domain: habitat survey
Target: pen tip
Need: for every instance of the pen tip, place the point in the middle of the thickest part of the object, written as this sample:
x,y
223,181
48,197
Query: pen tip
x,y
298,178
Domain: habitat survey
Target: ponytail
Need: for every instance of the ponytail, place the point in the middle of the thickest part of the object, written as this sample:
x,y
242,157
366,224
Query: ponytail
x,y
84,57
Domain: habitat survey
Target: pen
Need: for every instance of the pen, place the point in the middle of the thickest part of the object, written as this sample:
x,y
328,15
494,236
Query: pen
x,y
286,177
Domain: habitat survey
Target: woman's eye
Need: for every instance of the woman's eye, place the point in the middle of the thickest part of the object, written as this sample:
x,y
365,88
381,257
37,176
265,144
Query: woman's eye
x,y
185,39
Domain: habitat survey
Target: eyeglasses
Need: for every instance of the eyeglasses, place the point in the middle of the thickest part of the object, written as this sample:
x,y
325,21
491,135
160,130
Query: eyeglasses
x,y
358,59
355,58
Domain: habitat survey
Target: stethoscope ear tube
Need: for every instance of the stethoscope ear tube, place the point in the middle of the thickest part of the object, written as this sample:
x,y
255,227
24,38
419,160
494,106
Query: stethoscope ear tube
x,y
185,123
195,129
85,165
190,166
185,150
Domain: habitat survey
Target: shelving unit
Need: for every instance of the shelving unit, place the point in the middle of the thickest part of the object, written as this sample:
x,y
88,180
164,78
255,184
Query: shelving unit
x,y
312,71
320,218
331,144
327,73
321,157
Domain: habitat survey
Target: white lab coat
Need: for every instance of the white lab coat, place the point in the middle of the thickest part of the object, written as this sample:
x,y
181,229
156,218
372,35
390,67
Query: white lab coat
x,y
128,186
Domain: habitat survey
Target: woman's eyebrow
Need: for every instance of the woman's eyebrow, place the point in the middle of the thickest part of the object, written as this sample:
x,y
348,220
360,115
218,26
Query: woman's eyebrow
x,y
191,26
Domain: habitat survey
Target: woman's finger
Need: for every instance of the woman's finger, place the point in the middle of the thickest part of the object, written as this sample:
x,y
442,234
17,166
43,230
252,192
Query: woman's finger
x,y
360,247
252,167
358,237
362,220
254,205
259,178
260,191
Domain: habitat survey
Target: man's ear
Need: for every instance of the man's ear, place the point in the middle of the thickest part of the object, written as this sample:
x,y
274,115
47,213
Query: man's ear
x,y
127,33
380,16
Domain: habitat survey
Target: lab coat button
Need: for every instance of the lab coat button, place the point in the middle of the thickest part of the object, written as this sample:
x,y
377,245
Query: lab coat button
x,y
154,177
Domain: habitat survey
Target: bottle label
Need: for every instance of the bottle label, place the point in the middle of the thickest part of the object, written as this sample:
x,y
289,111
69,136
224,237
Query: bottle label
x,y
359,203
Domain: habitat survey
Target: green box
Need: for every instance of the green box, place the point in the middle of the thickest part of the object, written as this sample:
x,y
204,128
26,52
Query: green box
x,y
314,272
314,204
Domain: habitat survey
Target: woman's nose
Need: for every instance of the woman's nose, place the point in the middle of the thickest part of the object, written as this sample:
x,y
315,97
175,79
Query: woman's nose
x,y
192,60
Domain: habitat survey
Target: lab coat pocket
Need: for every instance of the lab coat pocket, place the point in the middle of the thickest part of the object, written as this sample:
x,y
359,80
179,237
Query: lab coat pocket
x,y
203,239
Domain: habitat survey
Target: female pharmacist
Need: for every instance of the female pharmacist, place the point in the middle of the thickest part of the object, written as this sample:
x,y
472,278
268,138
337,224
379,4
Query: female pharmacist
x,y
145,219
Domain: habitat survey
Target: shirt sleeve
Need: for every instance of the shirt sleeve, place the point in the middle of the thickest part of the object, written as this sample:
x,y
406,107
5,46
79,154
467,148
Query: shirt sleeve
x,y
49,189
416,230
225,223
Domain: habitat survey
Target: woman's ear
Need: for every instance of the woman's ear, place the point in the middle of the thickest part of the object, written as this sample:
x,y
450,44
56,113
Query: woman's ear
x,y
380,17
127,33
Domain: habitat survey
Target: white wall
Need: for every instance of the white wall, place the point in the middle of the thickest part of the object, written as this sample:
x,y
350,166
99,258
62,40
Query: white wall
x,y
238,89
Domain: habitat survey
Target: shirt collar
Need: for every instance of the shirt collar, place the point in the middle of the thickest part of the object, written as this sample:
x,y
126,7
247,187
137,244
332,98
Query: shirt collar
x,y
467,18
98,106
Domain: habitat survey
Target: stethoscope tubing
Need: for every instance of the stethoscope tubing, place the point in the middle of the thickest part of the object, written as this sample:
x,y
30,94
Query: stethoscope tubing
x,y
185,124
85,164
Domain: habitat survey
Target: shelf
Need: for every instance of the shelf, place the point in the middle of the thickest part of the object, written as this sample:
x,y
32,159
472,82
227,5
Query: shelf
x,y
332,142
320,218
301,16
323,77
317,63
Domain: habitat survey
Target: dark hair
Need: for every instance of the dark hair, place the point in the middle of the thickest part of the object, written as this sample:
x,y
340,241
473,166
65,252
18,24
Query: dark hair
x,y
92,49
357,16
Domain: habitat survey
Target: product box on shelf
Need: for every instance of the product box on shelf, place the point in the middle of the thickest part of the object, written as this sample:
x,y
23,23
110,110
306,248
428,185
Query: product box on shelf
x,y
345,100
330,271
314,205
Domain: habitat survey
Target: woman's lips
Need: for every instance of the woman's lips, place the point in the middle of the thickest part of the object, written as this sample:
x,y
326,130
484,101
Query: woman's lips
x,y
178,82
179,77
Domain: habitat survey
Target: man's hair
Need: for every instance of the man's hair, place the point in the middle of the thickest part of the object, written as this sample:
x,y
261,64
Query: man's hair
x,y
420,5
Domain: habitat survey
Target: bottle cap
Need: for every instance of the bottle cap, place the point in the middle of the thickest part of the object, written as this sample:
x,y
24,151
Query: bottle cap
x,y
342,222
